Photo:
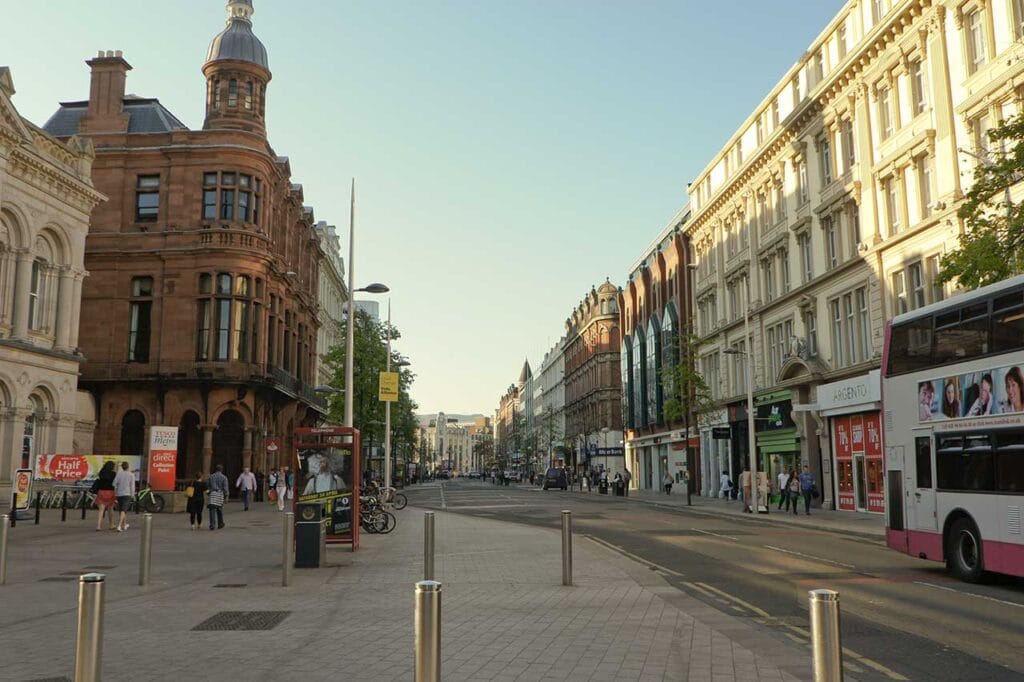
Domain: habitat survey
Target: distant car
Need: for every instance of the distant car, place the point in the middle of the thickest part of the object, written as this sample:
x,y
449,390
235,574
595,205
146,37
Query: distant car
x,y
514,476
444,475
556,478
474,474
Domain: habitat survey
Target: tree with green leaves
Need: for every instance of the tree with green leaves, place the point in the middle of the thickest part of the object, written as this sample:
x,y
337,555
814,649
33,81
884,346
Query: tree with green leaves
x,y
992,245
370,352
686,390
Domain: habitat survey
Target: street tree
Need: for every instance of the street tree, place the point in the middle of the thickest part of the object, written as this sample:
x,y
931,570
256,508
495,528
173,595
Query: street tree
x,y
992,245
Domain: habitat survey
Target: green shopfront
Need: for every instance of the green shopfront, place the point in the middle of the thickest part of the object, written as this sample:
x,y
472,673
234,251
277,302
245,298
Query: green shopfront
x,y
778,443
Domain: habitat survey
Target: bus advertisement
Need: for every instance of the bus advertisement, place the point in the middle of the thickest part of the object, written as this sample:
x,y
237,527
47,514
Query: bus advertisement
x,y
953,430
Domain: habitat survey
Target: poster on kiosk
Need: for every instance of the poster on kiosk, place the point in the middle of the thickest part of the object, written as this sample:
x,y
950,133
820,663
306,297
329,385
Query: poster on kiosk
x,y
163,457
328,472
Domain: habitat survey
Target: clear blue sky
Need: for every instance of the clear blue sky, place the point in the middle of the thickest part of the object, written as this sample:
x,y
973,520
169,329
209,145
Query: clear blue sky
x,y
507,155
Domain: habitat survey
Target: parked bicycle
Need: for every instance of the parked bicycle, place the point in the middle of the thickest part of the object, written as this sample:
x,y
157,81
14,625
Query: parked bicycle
x,y
148,501
373,518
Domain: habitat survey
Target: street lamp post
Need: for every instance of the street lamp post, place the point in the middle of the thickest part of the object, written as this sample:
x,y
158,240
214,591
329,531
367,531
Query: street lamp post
x,y
387,410
751,437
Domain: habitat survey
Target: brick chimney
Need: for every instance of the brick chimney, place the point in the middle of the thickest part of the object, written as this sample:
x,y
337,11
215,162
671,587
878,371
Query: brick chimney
x,y
106,93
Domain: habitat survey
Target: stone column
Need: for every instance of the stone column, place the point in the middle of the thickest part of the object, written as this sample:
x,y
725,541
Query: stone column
x,y
22,286
207,430
247,447
12,427
76,308
65,308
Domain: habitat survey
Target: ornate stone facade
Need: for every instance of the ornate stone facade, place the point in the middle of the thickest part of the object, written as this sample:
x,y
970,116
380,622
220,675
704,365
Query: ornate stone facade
x,y
46,195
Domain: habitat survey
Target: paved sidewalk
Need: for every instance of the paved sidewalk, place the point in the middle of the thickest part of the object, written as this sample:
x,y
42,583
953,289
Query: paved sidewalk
x,y
506,615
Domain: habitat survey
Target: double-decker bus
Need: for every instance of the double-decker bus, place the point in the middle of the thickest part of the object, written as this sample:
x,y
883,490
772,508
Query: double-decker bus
x,y
953,430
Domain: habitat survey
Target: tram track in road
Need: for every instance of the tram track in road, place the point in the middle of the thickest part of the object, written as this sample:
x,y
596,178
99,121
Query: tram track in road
x,y
761,572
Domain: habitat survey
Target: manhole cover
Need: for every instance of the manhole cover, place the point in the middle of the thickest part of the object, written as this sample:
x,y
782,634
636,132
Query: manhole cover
x,y
98,568
231,585
59,578
243,620
51,679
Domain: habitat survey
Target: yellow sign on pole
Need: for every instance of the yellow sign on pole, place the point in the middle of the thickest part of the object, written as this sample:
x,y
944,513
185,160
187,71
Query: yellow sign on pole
x,y
389,386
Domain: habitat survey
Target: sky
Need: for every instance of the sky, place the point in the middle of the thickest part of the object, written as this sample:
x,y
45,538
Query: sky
x,y
507,155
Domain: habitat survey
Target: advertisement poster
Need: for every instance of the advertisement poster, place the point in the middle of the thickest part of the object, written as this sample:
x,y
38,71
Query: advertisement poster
x,y
71,468
325,475
974,394
163,457
22,489
857,443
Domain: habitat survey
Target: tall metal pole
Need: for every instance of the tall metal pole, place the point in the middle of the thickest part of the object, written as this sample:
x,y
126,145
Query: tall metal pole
x,y
428,546
350,341
4,530
826,643
387,418
427,625
751,436
145,548
287,546
566,547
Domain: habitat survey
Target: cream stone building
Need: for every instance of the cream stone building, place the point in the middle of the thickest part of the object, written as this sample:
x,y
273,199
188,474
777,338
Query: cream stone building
x,y
826,214
332,297
46,196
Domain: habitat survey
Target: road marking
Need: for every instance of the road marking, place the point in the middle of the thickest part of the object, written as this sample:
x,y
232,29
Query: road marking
x,y
735,599
810,556
970,594
484,506
634,557
717,535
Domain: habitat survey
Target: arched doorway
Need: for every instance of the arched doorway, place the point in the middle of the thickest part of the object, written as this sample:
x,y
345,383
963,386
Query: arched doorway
x,y
190,445
227,445
133,433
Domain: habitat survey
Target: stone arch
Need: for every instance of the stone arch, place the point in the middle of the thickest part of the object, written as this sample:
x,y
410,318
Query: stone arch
x,y
133,433
228,443
14,219
190,444
59,243
232,406
796,367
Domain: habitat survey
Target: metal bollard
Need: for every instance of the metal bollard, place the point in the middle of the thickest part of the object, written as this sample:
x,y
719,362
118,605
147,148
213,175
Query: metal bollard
x,y
566,547
3,550
64,507
427,621
85,503
428,546
145,548
89,647
14,509
826,646
287,546
39,502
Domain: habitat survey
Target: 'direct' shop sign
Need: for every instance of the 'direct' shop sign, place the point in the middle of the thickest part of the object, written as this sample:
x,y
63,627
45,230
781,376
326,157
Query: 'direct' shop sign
x,y
163,456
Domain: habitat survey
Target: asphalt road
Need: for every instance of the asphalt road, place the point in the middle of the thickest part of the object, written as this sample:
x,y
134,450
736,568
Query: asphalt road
x,y
902,618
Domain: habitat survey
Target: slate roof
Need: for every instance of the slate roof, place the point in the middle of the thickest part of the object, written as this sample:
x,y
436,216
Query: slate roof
x,y
238,42
144,116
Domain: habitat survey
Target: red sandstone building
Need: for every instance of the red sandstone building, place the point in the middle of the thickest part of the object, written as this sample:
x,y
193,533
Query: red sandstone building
x,y
199,310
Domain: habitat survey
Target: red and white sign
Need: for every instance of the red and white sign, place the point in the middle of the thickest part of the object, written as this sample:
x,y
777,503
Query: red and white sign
x,y
163,456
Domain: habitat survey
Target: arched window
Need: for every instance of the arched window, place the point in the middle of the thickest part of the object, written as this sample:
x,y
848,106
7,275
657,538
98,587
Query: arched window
x,y
224,324
33,435
654,392
670,350
216,93
248,95
232,93
639,379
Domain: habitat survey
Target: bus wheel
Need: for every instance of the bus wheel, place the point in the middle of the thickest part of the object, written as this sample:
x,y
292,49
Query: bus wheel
x,y
964,551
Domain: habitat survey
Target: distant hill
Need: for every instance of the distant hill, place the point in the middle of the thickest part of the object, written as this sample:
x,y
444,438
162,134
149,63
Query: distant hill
x,y
461,418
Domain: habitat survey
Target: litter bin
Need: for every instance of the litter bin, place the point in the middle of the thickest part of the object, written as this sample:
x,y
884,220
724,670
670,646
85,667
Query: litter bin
x,y
620,488
310,535
602,487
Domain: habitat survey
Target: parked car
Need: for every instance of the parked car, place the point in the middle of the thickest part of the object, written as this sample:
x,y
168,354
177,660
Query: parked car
x,y
514,476
556,478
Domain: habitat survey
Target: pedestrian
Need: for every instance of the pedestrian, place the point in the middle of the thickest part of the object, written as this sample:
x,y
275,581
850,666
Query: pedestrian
x,y
195,494
806,488
793,490
626,477
104,490
783,479
124,488
281,487
725,486
246,485
272,485
745,487
218,487
667,482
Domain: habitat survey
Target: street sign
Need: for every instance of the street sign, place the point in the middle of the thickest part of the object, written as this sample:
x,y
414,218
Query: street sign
x,y
721,433
389,386
272,445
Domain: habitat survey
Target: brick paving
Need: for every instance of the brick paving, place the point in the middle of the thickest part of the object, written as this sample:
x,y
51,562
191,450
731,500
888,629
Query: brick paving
x,y
506,615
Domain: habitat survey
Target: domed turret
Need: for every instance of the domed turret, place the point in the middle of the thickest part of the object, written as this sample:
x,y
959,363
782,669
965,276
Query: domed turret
x,y
237,72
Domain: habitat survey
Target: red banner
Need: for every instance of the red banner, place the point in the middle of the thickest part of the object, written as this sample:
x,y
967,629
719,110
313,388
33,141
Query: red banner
x,y
163,457
874,435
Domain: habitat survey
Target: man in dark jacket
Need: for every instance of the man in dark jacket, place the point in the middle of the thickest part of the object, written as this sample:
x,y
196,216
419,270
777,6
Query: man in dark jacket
x,y
218,483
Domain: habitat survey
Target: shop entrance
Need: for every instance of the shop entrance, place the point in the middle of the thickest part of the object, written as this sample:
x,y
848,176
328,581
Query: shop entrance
x,y
227,446
860,481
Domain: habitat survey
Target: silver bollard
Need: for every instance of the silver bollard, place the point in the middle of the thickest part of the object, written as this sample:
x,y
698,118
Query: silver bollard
x,y
427,621
145,548
566,547
826,644
6,522
89,646
428,546
287,547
